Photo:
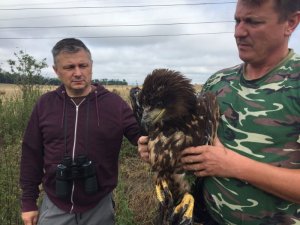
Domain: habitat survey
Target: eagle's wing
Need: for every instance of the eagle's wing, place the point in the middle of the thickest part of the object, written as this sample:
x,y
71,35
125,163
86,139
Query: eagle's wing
x,y
209,109
137,108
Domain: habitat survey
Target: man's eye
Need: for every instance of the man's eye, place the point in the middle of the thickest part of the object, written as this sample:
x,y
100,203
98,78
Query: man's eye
x,y
83,65
253,22
70,67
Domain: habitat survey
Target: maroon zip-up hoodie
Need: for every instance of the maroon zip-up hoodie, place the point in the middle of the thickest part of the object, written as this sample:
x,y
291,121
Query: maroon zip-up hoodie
x,y
55,129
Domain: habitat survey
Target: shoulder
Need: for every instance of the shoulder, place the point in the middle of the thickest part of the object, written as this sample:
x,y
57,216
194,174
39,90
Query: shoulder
x,y
105,94
50,95
294,62
223,76
109,98
53,99
291,63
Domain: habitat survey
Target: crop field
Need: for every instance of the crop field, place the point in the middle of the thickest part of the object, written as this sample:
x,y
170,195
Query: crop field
x,y
13,91
8,90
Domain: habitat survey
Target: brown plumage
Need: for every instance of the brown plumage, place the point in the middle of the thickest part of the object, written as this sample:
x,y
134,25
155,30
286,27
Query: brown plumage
x,y
174,118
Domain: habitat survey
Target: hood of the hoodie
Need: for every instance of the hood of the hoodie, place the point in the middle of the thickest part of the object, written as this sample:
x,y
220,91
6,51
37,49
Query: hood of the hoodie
x,y
92,97
100,90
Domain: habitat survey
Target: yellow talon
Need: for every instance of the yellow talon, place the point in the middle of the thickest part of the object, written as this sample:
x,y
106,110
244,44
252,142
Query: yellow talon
x,y
159,194
185,207
161,190
164,184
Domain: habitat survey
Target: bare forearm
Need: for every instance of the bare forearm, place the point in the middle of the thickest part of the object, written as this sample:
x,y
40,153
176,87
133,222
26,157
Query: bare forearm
x,y
223,162
281,182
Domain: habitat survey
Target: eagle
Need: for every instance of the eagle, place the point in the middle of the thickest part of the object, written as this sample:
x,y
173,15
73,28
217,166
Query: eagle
x,y
174,117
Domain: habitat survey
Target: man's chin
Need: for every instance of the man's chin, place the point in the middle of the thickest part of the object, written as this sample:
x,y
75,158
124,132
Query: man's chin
x,y
245,57
79,88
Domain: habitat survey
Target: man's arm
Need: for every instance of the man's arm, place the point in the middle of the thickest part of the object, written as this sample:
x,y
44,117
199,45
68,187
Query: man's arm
x,y
31,167
222,162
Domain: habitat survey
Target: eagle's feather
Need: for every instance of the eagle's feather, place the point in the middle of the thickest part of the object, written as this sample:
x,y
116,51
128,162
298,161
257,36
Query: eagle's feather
x,y
174,117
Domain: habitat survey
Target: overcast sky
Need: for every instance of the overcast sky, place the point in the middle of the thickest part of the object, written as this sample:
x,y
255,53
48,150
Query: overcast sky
x,y
127,38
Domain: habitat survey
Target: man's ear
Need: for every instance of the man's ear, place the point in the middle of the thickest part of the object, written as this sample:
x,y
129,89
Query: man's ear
x,y
293,22
55,70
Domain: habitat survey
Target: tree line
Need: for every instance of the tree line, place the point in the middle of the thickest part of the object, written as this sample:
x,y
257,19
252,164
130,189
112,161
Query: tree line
x,y
25,69
13,78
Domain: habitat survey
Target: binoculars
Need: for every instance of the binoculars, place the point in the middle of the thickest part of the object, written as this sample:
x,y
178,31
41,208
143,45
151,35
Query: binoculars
x,y
79,169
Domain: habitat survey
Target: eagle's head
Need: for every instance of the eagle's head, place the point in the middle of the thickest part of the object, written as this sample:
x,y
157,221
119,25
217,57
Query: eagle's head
x,y
166,95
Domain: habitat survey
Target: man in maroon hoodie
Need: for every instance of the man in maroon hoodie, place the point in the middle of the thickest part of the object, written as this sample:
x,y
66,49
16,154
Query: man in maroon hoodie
x,y
72,143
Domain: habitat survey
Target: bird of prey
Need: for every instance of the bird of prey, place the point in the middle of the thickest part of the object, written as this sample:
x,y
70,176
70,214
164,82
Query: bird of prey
x,y
174,117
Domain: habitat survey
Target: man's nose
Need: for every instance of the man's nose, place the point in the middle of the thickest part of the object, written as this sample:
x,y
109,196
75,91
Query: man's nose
x,y
240,30
77,71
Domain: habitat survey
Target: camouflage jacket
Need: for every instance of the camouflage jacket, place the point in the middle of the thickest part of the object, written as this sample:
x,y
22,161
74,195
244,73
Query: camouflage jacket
x,y
260,119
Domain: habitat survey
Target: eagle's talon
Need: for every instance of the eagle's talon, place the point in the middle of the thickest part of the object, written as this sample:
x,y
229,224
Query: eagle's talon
x,y
183,212
163,193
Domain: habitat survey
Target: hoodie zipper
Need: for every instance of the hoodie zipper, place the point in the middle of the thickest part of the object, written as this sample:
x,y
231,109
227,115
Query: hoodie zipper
x,y
74,147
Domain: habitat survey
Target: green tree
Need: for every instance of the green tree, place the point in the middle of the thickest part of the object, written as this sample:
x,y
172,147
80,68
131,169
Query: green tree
x,y
29,71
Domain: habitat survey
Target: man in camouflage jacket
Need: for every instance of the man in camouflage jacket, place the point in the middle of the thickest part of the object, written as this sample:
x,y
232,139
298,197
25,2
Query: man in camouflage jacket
x,y
252,173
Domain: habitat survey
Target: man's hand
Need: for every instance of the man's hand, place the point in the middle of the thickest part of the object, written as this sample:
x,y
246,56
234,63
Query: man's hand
x,y
216,160
143,148
30,218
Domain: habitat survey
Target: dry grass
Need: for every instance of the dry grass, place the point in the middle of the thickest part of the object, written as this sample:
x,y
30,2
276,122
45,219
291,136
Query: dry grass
x,y
139,190
13,91
8,90
121,90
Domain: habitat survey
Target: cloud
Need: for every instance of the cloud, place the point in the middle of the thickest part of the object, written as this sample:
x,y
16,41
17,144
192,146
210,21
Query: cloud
x,y
129,52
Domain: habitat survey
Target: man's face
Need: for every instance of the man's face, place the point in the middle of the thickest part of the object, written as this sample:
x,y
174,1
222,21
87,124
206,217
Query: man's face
x,y
75,72
258,32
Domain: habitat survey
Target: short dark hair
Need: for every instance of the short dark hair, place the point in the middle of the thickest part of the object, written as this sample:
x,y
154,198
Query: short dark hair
x,y
70,45
285,8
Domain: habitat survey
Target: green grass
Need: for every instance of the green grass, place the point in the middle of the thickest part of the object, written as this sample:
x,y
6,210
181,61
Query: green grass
x,y
14,114
9,188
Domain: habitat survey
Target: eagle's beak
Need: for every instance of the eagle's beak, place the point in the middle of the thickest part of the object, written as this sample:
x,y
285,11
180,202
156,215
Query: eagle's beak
x,y
151,117
158,115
